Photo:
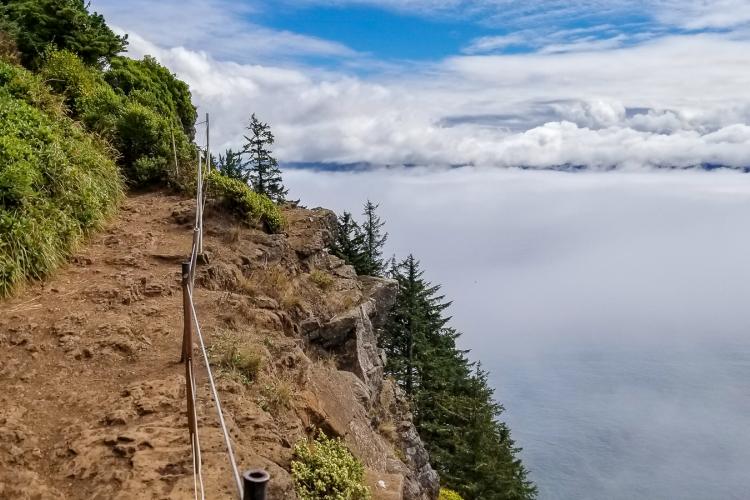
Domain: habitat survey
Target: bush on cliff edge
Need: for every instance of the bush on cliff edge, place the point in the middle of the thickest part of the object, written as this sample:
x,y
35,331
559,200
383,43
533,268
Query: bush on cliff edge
x,y
325,468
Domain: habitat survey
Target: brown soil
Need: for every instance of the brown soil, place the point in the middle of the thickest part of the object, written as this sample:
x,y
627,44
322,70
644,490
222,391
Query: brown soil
x,y
92,398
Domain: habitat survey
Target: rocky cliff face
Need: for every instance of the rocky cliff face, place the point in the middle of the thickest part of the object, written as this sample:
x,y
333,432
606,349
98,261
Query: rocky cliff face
x,y
383,435
92,399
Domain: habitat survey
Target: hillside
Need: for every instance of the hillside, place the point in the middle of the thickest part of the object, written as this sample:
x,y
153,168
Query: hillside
x,y
92,397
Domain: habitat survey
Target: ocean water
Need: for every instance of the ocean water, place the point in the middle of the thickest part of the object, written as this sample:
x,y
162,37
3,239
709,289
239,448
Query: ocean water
x,y
652,422
612,310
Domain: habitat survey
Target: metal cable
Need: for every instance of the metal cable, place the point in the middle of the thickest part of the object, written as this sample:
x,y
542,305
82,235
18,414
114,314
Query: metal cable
x,y
195,443
215,396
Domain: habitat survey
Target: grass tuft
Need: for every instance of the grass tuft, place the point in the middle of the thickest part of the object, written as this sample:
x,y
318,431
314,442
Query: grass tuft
x,y
322,279
236,358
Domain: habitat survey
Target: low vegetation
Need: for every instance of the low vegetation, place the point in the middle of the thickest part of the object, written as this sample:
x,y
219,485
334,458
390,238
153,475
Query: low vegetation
x,y
325,468
276,395
322,279
73,111
252,207
235,357
56,182
446,494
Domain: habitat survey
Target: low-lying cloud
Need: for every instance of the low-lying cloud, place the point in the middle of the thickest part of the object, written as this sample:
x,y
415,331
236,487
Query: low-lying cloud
x,y
610,309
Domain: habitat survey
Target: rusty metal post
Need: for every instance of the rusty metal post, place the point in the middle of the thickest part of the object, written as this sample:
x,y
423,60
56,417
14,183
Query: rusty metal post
x,y
187,317
254,483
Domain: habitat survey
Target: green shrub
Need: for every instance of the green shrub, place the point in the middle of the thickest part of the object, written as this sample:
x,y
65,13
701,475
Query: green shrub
x,y
326,469
56,182
136,123
143,140
68,76
88,97
239,198
149,83
446,494
22,84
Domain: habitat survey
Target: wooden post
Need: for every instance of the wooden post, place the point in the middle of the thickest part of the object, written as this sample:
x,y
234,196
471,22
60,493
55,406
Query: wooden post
x,y
187,316
187,351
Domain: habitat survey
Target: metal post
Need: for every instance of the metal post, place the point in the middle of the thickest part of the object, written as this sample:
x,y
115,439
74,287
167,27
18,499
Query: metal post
x,y
254,483
199,204
208,146
174,150
187,318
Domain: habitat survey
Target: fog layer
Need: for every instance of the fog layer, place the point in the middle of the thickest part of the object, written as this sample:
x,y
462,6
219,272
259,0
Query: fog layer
x,y
611,309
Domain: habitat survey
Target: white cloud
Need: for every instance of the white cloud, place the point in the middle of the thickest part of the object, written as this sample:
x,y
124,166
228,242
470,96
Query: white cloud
x,y
223,28
486,44
699,14
690,14
663,103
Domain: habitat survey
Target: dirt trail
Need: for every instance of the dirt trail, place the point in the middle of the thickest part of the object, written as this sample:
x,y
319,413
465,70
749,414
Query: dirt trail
x,y
92,398
103,330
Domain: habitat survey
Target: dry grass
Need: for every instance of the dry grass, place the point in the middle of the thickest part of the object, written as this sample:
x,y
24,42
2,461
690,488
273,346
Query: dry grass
x,y
291,301
328,360
322,279
344,301
277,395
248,287
233,235
273,282
237,358
388,430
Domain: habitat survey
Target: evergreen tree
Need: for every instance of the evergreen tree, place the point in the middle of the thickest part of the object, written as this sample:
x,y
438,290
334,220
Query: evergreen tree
x,y
349,243
453,407
263,169
230,165
63,24
414,319
374,240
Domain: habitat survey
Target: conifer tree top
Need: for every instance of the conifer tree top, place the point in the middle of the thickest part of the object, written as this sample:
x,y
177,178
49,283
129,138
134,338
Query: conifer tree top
x,y
262,169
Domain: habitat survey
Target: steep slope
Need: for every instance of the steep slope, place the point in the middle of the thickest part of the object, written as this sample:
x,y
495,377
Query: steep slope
x,y
92,399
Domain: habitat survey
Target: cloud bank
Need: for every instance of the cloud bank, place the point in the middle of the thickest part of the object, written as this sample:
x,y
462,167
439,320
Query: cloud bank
x,y
609,308
673,102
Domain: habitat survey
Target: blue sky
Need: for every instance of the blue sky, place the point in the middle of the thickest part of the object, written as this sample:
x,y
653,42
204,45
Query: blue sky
x,y
423,30
381,33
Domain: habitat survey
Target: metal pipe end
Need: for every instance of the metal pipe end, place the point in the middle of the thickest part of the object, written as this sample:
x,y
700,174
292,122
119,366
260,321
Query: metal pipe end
x,y
257,476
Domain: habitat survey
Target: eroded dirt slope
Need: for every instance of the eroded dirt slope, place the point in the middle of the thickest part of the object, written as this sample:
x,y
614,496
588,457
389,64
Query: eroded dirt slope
x,y
92,394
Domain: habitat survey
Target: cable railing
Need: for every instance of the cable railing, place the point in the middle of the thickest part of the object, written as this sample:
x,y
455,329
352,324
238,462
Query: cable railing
x,y
251,485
